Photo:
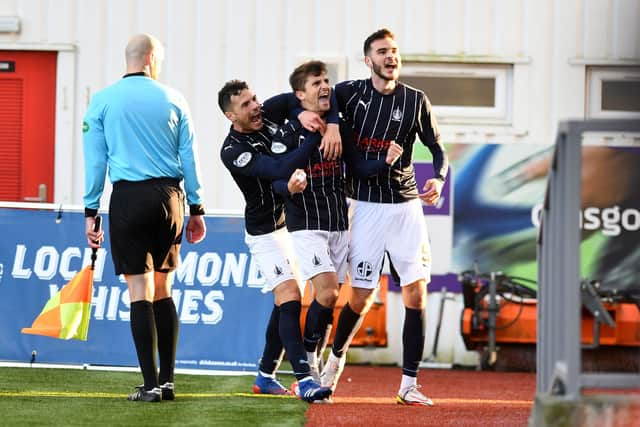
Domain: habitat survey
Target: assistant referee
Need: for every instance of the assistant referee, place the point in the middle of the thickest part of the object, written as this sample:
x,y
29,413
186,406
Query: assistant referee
x,y
142,132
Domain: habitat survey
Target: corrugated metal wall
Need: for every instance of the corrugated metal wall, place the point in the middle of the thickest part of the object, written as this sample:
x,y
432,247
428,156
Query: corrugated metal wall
x,y
211,41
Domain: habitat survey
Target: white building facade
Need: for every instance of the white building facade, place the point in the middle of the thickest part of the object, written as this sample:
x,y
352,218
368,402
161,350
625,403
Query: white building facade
x,y
538,62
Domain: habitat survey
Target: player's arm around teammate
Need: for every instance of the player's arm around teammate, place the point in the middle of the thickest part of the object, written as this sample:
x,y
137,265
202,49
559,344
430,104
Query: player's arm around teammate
x,y
246,153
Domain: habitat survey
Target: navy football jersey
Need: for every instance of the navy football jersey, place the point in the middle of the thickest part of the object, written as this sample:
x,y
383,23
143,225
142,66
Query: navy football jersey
x,y
264,210
377,119
249,158
322,205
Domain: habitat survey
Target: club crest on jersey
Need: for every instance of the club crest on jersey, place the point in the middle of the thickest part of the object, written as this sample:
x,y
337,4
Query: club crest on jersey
x,y
278,147
364,270
396,116
242,160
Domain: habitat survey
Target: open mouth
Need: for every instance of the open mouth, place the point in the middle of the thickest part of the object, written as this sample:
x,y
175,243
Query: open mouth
x,y
323,97
391,67
256,118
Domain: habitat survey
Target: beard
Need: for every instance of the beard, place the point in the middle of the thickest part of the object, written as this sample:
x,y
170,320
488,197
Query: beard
x,y
378,70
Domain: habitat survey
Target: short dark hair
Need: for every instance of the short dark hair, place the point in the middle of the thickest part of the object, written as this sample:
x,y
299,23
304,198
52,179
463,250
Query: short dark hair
x,y
382,33
230,88
299,76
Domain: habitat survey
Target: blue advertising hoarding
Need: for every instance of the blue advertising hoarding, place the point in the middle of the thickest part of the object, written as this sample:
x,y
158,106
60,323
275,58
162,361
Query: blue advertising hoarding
x,y
217,292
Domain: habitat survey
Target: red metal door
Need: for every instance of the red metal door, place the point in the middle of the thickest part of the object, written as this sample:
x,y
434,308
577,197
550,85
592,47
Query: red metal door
x,y
27,125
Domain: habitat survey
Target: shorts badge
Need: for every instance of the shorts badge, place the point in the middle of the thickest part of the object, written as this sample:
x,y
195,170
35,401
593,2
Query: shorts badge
x,y
316,261
277,270
364,269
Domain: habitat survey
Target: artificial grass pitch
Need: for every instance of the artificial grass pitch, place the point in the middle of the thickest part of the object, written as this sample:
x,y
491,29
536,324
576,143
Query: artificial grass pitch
x,y
72,397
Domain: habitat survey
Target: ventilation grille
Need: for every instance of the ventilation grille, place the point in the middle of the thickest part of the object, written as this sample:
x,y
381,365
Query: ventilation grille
x,y
11,100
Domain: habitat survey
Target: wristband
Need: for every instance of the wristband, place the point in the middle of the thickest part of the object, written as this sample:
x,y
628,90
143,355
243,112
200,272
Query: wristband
x,y
197,209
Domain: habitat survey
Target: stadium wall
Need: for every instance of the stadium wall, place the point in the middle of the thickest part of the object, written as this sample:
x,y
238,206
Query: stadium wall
x,y
548,46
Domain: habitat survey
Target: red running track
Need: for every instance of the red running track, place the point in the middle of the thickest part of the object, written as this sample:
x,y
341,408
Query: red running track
x,y
366,397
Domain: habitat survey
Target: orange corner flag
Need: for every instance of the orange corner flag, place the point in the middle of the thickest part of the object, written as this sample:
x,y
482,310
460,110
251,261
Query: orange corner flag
x,y
66,315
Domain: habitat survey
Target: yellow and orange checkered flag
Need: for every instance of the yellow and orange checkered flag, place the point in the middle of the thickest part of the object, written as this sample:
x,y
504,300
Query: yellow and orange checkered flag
x,y
66,315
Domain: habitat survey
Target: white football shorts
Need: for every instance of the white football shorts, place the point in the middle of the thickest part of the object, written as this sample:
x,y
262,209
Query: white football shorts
x,y
273,253
396,228
320,251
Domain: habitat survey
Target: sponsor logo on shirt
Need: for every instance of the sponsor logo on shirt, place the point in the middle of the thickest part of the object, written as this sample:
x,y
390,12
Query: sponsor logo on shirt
x,y
324,168
242,160
371,144
85,127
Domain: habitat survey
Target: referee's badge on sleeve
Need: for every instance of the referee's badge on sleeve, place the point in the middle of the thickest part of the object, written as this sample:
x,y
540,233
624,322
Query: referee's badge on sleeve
x,y
242,160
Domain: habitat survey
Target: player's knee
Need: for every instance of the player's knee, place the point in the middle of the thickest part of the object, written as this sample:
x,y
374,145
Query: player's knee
x,y
360,302
327,296
415,295
287,291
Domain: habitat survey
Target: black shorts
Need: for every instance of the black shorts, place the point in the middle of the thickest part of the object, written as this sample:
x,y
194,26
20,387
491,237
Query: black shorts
x,y
146,219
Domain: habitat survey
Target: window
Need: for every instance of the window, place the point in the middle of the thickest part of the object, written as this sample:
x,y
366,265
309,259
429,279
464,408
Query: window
x,y
477,93
613,92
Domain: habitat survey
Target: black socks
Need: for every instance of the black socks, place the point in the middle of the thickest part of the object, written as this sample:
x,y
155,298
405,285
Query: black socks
x,y
413,333
273,350
143,330
167,326
291,337
315,326
348,324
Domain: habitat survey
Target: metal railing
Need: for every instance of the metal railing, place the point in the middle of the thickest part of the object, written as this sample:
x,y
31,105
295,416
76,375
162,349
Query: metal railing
x,y
559,358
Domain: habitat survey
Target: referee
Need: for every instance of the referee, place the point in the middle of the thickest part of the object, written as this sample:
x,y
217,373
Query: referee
x,y
142,132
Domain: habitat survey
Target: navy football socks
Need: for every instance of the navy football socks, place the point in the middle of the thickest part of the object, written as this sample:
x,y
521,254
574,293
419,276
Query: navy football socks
x,y
273,350
315,325
413,332
291,337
